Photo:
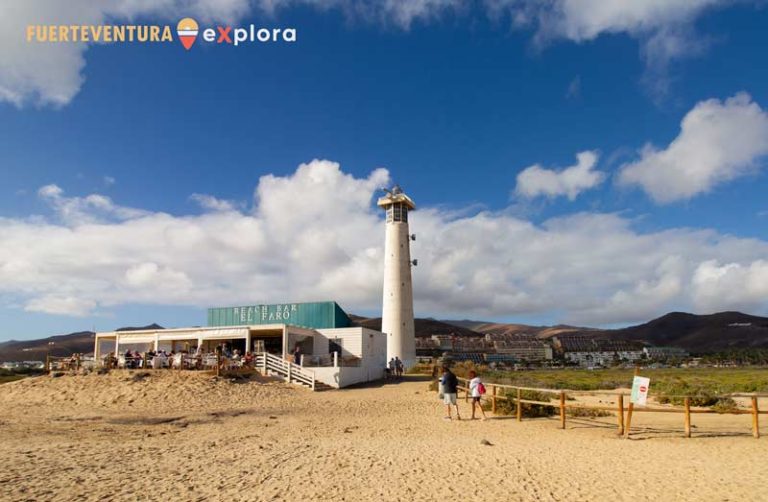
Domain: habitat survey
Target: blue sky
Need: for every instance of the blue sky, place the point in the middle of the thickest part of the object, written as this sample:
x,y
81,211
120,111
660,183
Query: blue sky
x,y
455,106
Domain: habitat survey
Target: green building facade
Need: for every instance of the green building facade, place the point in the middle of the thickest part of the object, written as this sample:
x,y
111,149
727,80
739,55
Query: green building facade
x,y
316,315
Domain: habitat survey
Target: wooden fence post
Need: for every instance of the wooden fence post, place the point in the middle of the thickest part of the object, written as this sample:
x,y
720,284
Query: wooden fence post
x,y
755,420
687,417
630,409
466,393
493,399
519,406
218,364
77,359
621,414
47,363
562,409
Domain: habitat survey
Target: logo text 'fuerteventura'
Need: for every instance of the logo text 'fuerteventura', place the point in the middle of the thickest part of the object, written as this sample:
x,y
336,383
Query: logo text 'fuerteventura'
x,y
187,31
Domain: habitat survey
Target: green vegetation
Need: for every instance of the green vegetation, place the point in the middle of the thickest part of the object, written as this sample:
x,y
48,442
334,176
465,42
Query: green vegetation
x,y
13,375
508,406
10,378
738,356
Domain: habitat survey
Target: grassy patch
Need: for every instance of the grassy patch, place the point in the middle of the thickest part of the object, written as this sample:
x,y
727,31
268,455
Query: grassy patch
x,y
11,378
13,375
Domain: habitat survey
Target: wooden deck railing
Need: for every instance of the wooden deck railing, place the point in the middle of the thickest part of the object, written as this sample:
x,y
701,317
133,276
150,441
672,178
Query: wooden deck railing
x,y
74,362
562,405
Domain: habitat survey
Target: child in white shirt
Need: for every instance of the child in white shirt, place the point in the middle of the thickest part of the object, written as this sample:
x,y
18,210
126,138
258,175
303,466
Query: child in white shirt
x,y
474,388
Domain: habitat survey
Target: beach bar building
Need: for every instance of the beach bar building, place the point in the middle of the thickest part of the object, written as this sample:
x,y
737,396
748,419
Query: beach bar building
x,y
334,351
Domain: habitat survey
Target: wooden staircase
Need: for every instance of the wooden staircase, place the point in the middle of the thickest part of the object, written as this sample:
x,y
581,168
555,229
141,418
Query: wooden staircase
x,y
292,373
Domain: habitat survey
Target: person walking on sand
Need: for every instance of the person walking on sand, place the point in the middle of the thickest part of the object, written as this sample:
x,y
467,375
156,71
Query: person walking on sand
x,y
477,389
450,390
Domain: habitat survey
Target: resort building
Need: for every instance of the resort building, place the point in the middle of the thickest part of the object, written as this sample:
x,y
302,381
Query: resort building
x,y
592,352
525,350
336,352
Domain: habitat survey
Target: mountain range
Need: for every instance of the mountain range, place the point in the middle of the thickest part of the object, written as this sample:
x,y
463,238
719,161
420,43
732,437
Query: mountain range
x,y
696,333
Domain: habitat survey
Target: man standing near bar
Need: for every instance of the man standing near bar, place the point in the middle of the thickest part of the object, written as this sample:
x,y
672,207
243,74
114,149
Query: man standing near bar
x,y
450,391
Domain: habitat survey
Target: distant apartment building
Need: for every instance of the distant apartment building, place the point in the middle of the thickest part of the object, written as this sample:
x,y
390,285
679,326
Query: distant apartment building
x,y
524,350
443,342
15,365
665,353
596,352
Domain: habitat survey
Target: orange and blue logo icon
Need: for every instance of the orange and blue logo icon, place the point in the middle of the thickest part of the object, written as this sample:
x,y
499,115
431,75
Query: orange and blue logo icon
x,y
187,31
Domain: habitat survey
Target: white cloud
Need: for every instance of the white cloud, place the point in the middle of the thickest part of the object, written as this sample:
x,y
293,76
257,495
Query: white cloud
x,y
401,13
574,88
718,141
730,286
663,27
90,209
584,20
61,305
535,180
316,235
211,203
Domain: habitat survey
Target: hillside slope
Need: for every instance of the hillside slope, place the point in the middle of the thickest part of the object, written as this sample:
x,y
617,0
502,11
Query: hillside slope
x,y
36,350
59,345
516,329
424,327
701,333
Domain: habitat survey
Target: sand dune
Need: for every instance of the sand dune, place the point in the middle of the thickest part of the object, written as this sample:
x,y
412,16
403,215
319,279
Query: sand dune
x,y
186,436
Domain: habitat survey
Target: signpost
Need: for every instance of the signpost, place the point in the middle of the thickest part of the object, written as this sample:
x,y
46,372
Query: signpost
x,y
640,386
640,390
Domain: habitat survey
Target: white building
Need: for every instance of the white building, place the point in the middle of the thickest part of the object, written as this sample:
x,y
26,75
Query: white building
x,y
333,351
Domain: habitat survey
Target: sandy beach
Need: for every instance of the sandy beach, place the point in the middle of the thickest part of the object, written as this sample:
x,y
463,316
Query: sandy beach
x,y
188,436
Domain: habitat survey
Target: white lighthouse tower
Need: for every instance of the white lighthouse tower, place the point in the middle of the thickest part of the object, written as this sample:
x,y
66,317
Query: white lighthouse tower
x,y
397,311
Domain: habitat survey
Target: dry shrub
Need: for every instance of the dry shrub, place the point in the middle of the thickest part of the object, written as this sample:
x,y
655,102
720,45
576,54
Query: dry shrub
x,y
587,413
509,406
